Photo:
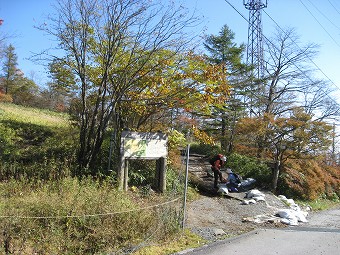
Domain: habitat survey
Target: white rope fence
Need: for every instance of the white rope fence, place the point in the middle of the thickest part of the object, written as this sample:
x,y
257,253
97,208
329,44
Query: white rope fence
x,y
89,215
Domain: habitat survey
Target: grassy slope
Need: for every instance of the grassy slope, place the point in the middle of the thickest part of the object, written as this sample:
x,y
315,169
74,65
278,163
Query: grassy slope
x,y
33,115
35,144
56,199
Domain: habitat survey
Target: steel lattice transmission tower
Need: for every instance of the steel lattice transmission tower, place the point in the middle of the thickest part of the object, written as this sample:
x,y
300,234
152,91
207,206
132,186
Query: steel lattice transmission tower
x,y
255,38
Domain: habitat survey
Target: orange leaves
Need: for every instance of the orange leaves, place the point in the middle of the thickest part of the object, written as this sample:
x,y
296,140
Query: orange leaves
x,y
297,142
310,179
5,98
299,134
250,126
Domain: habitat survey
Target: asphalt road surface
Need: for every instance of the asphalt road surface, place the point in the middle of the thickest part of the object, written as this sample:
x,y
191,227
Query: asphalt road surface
x,y
321,235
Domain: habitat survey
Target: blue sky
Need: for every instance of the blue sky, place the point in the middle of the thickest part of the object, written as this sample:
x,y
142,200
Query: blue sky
x,y
314,20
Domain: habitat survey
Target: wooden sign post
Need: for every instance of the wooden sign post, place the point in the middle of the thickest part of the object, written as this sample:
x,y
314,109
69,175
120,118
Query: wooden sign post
x,y
136,145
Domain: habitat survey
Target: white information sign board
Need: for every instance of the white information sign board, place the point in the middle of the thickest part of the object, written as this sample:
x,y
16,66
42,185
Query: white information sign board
x,y
143,145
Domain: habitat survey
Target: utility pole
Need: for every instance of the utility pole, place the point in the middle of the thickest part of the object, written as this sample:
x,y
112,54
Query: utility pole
x,y
255,50
255,36
333,146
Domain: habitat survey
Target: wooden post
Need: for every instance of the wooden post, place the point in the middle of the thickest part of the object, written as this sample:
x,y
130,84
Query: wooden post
x,y
157,175
120,173
162,174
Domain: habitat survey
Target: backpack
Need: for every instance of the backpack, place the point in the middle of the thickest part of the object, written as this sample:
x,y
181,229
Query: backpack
x,y
238,178
213,159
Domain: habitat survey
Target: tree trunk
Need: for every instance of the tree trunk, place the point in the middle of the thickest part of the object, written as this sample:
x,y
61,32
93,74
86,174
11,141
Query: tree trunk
x,y
276,173
223,134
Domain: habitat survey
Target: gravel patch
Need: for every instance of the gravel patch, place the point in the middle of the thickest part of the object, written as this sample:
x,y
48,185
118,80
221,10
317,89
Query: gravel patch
x,y
207,214
215,217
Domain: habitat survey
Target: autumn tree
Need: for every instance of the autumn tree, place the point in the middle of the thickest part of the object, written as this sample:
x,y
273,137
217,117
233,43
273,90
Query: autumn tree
x,y
292,105
287,70
107,43
182,85
289,75
223,51
289,82
298,136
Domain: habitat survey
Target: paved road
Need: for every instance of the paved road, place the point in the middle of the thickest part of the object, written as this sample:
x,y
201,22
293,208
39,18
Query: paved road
x,y
320,236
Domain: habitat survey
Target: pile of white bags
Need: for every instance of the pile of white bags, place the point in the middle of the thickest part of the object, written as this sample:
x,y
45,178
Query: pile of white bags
x,y
253,196
293,215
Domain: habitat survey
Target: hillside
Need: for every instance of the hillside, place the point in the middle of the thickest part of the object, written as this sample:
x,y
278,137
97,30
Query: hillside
x,y
32,115
34,143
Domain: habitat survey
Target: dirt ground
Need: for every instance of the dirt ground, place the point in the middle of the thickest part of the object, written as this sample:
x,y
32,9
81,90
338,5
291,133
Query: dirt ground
x,y
215,216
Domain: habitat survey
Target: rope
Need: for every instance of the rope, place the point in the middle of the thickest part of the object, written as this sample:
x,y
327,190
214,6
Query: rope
x,y
88,215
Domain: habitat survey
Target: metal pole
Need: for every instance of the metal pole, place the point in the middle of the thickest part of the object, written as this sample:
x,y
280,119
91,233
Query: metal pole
x,y
186,186
110,152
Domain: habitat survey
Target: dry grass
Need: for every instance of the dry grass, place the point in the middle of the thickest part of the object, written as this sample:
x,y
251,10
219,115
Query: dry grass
x,y
77,217
33,115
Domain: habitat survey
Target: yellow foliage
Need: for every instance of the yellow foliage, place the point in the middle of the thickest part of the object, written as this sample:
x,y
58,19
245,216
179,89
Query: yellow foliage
x,y
202,136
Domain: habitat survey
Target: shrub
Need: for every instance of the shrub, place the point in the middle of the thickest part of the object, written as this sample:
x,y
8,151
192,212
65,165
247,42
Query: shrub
x,y
250,167
6,98
7,144
310,180
142,172
77,217
174,181
205,149
176,139
176,142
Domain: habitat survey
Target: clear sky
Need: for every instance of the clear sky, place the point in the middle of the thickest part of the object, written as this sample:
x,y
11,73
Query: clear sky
x,y
316,21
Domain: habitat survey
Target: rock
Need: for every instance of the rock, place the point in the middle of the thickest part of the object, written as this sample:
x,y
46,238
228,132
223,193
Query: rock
x,y
254,193
259,198
245,202
218,232
252,201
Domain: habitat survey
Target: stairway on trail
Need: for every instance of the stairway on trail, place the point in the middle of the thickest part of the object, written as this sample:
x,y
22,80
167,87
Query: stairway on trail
x,y
201,176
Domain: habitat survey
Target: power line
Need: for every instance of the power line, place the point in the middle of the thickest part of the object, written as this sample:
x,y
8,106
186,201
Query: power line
x,y
320,24
297,46
237,11
325,16
318,68
334,7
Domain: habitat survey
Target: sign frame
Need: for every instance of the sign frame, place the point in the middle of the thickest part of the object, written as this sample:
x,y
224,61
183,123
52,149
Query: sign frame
x,y
143,145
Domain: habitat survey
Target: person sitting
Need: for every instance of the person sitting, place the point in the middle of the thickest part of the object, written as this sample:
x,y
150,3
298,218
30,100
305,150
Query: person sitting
x,y
233,181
